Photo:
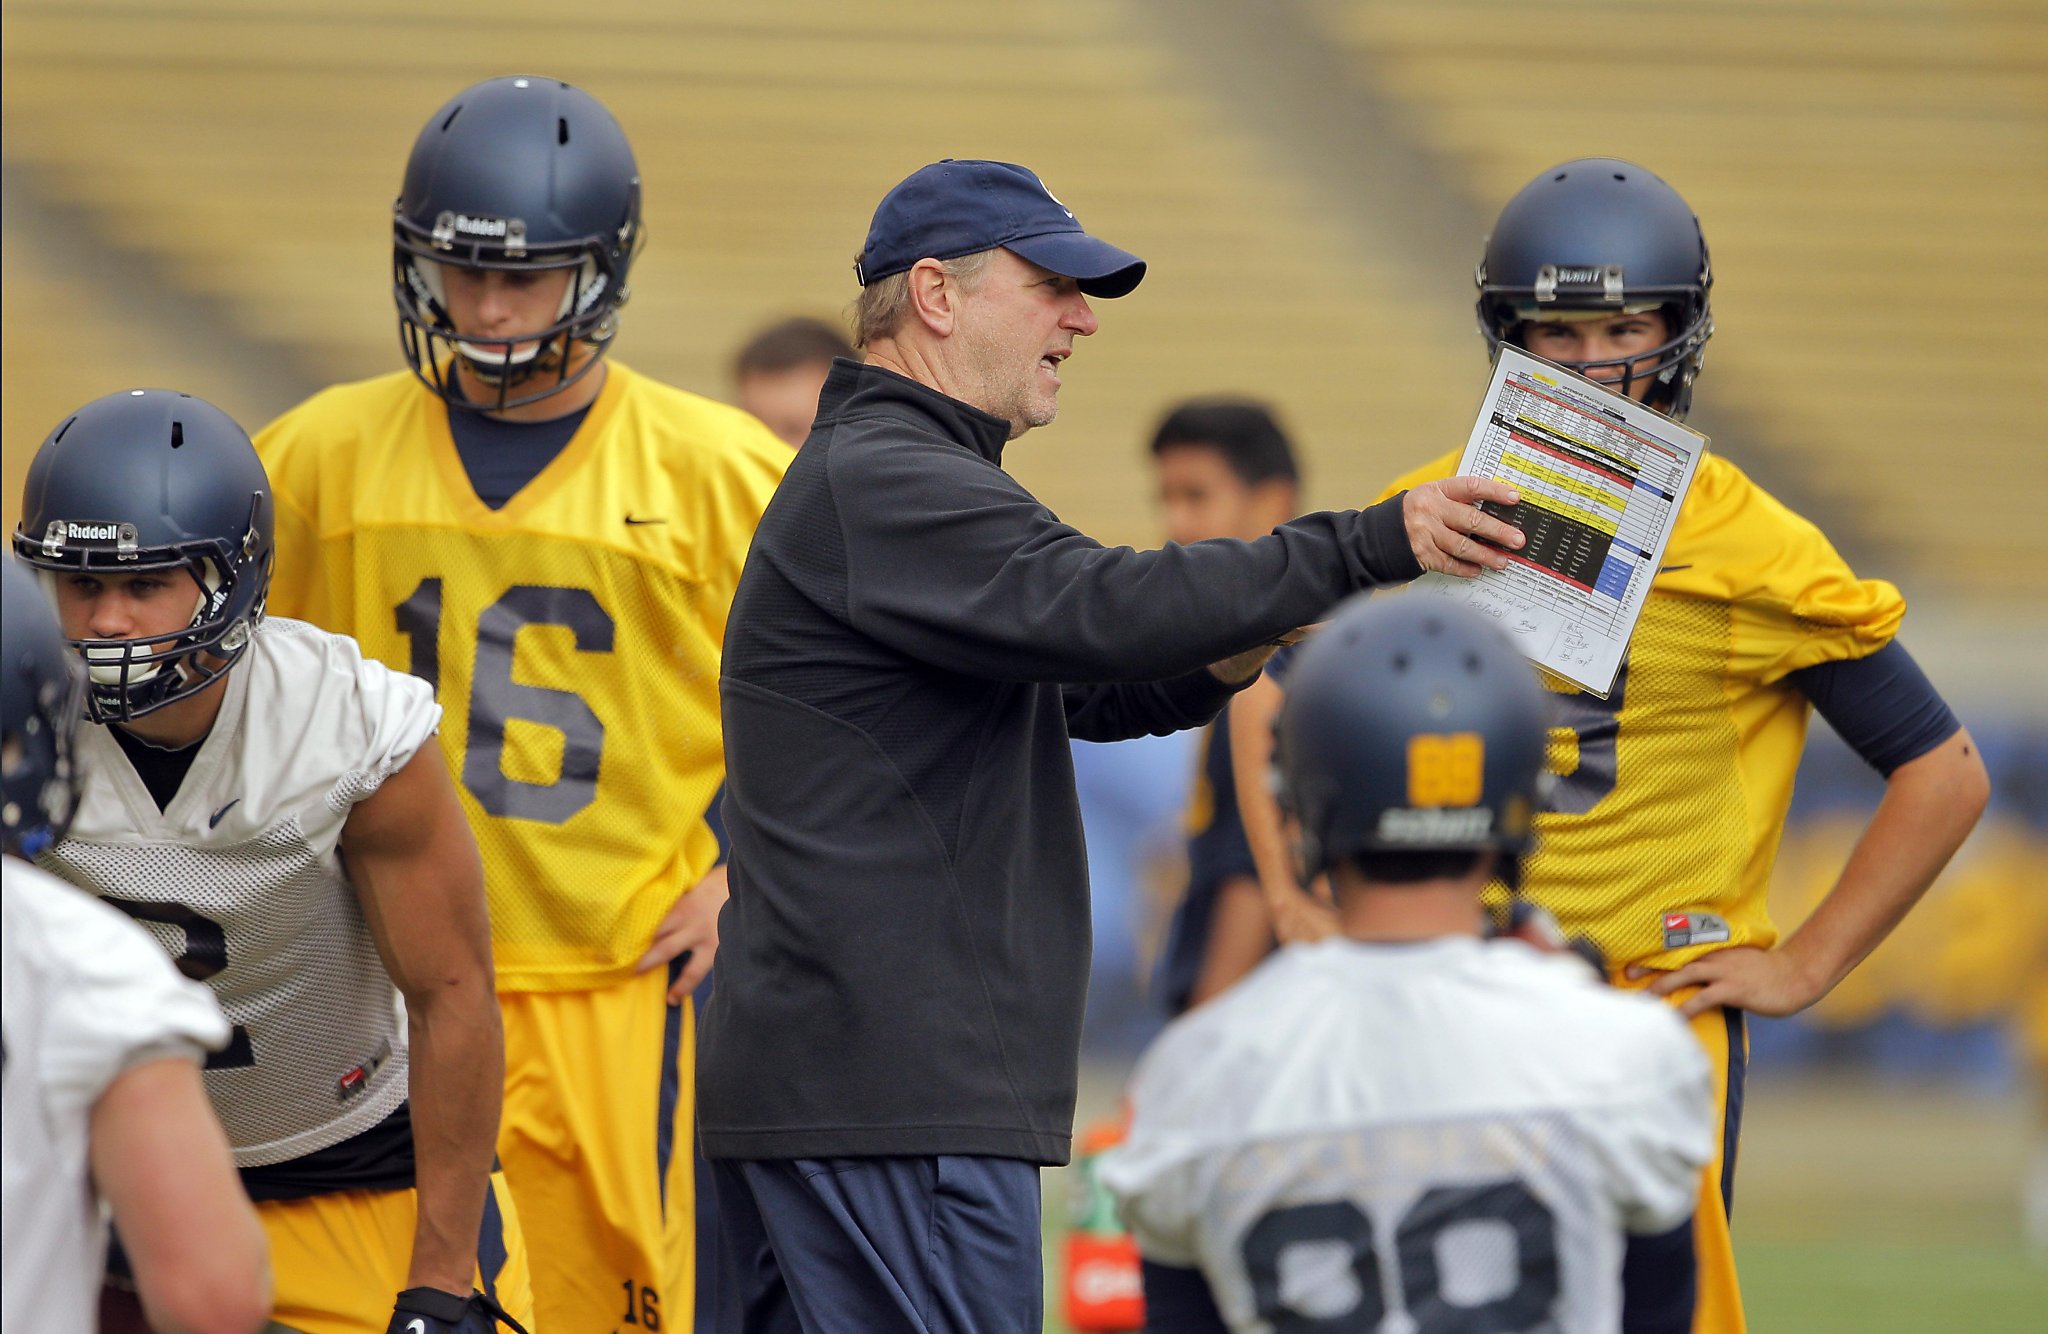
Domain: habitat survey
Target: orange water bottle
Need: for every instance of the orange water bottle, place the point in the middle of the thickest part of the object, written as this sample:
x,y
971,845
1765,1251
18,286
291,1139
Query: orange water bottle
x,y
1105,1287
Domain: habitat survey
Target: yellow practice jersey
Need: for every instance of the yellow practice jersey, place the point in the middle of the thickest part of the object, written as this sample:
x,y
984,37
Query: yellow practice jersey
x,y
572,636
1670,796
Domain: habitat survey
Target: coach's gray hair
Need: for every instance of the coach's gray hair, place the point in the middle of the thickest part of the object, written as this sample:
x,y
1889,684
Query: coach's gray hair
x,y
882,304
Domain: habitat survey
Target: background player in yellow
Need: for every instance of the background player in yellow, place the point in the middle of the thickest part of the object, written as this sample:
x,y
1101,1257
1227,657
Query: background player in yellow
x,y
1670,795
553,541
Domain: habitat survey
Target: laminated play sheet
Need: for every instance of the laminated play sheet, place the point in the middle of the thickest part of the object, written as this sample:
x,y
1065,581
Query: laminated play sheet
x,y
1601,479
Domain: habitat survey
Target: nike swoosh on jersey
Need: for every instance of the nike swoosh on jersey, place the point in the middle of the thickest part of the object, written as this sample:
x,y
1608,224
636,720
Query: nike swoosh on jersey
x,y
221,814
636,522
415,1326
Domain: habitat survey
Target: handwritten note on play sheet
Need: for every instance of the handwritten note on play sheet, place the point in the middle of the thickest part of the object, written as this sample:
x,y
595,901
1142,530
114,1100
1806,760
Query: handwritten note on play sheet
x,y
1601,478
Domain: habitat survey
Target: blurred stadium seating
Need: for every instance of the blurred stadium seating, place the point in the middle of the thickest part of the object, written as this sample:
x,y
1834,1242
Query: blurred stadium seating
x,y
1310,180
247,151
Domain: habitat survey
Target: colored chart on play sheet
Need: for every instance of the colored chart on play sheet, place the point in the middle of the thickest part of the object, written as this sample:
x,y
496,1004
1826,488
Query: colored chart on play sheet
x,y
1601,479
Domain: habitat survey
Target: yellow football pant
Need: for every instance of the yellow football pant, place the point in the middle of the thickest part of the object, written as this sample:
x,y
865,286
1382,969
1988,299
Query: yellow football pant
x,y
599,1104
1726,1040
339,1260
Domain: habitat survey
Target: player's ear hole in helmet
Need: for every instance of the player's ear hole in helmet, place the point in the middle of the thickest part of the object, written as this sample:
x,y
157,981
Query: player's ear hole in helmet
x,y
1411,741
153,481
1600,235
520,174
40,688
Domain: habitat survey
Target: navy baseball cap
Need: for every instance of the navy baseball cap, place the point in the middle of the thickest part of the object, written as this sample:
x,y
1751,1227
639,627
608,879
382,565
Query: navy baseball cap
x,y
954,208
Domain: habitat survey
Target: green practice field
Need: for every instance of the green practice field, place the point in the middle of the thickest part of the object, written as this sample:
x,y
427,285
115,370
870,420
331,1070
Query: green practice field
x,y
1872,1207
1860,1207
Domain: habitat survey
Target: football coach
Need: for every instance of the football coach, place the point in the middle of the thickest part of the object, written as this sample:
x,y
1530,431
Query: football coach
x,y
892,1052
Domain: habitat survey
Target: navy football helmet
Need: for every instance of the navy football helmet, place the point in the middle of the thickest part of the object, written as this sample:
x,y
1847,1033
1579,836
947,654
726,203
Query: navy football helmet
x,y
1411,725
40,684
154,480
523,173
1602,235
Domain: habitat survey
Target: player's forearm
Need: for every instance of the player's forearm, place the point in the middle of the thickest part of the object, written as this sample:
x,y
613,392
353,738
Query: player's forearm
x,y
1929,807
1240,937
193,1240
458,1079
1251,761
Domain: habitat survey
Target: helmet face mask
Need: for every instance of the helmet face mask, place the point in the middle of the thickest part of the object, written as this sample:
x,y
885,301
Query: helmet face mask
x,y
515,174
1598,236
153,482
1669,366
129,678
43,688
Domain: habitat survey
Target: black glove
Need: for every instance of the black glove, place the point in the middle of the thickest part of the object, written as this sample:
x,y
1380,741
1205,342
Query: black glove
x,y
432,1311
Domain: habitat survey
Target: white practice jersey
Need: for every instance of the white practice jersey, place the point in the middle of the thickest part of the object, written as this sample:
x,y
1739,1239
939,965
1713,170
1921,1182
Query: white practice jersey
x,y
239,879
1389,1136
88,997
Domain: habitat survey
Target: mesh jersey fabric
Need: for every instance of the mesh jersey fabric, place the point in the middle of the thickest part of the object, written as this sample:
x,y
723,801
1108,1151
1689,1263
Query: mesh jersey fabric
x,y
1446,1127
572,635
239,879
1670,795
87,997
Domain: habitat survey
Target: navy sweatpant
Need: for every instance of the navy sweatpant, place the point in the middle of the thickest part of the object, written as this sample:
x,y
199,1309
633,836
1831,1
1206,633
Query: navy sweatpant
x,y
939,1245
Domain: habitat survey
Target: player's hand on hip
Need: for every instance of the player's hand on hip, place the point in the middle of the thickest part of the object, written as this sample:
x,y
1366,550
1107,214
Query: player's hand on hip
x,y
433,1311
1766,982
1448,531
690,928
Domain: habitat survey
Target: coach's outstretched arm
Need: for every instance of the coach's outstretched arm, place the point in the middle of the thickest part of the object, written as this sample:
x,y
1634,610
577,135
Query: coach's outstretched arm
x,y
416,870
954,563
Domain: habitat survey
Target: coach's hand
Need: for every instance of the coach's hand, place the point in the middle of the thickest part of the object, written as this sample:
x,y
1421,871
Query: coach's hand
x,y
432,1311
691,928
1450,534
1766,982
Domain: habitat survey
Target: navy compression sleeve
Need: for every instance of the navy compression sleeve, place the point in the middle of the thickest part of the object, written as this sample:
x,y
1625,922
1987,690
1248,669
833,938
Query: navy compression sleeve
x,y
1883,705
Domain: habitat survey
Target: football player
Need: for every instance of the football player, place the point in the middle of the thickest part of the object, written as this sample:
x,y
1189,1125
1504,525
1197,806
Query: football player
x,y
551,542
267,804
778,373
1225,469
103,1103
1657,840
1407,1118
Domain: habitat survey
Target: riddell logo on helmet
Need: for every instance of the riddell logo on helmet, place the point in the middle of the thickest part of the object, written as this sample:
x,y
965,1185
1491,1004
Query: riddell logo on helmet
x,y
1402,824
91,532
449,224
